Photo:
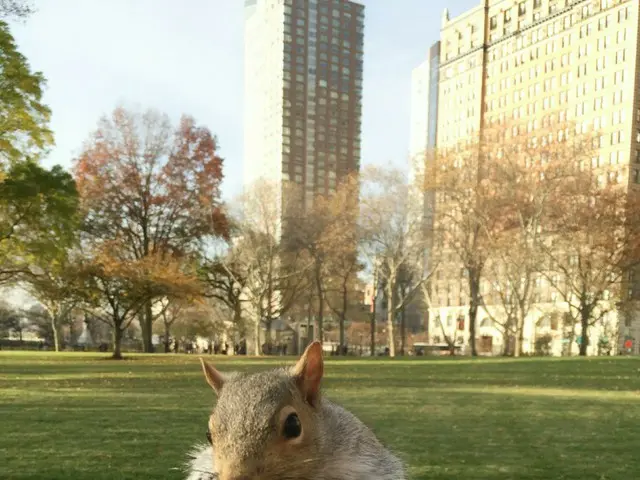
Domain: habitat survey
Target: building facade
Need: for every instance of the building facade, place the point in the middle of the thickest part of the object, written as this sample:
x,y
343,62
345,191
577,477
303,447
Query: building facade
x,y
423,131
530,64
424,112
303,92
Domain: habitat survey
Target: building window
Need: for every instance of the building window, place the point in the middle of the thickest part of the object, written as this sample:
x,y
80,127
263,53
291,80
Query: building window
x,y
622,15
621,35
522,8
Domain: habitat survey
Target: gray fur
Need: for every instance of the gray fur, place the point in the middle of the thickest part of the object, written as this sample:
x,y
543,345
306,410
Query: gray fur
x,y
340,446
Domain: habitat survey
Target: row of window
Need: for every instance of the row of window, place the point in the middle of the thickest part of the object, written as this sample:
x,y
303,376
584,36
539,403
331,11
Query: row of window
x,y
324,143
555,62
550,102
522,11
321,160
538,34
336,23
334,7
568,21
584,50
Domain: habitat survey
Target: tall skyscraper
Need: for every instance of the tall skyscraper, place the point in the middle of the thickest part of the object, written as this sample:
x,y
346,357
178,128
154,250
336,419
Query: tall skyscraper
x,y
303,92
424,116
424,124
529,64
424,103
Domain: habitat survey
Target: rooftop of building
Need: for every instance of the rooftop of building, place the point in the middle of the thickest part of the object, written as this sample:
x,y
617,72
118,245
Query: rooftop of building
x,y
448,21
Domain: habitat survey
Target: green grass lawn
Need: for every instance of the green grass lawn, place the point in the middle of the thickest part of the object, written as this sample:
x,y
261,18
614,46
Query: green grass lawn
x,y
78,416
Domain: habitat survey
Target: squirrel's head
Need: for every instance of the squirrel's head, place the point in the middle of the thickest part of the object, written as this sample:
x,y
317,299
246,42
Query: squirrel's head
x,y
267,425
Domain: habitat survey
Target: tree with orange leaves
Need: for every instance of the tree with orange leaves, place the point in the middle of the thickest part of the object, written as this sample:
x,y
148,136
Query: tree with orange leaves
x,y
116,287
151,187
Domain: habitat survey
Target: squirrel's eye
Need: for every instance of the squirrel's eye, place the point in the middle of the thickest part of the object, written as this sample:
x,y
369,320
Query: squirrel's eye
x,y
292,427
209,437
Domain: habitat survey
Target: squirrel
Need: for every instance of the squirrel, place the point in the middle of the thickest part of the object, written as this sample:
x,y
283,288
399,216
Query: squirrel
x,y
275,425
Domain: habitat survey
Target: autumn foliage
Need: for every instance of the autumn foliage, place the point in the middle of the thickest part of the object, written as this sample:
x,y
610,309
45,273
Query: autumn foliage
x,y
151,188
116,288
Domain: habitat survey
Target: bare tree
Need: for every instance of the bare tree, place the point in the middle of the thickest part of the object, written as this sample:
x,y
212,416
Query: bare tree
x,y
526,176
273,274
327,233
56,291
225,280
393,237
594,247
453,177
201,319
171,311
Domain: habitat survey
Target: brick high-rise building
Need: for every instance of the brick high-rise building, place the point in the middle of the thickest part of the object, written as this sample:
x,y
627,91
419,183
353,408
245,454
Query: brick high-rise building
x,y
529,64
303,92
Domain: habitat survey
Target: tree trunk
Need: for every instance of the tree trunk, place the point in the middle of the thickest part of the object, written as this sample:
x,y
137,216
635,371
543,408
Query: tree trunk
x,y
584,324
268,339
573,336
237,317
256,333
521,337
54,331
506,340
146,326
474,303
403,330
373,323
391,310
117,342
518,348
319,334
343,314
167,348
310,321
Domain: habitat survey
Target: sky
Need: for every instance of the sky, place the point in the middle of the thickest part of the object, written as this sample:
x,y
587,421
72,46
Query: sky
x,y
187,57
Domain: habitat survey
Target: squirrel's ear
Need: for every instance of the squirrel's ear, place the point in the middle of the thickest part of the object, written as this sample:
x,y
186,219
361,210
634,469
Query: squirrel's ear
x,y
308,372
213,376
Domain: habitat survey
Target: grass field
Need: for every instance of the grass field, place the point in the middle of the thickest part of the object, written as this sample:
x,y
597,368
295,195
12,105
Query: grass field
x,y
77,416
